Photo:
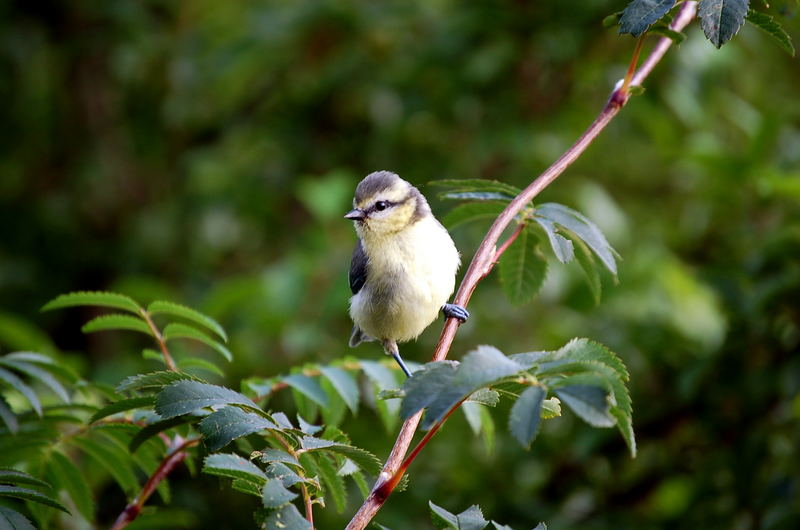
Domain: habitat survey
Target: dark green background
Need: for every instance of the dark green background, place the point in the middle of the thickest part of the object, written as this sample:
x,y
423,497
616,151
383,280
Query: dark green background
x,y
205,151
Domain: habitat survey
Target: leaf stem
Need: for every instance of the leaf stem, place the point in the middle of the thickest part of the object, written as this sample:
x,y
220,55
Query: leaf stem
x,y
483,261
307,501
632,66
173,458
160,339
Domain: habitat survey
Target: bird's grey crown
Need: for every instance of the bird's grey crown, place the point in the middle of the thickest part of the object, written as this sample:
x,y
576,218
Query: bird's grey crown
x,y
374,183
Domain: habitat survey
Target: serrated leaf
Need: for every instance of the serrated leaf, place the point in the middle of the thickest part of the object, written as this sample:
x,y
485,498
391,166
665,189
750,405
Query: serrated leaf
x,y
541,526
522,268
768,25
276,455
154,381
441,518
122,406
183,397
484,396
476,196
47,363
477,185
498,526
361,457
13,476
287,477
176,330
20,386
472,211
112,459
274,495
13,520
471,519
525,416
582,227
35,372
178,310
562,247
586,261
189,363
588,402
154,428
332,482
233,466
581,349
441,385
336,410
8,416
116,321
640,14
30,495
287,518
229,423
344,384
721,19
68,477
244,486
93,298
306,427
307,386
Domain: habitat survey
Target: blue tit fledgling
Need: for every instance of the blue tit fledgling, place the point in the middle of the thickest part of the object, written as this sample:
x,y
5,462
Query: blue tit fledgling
x,y
404,265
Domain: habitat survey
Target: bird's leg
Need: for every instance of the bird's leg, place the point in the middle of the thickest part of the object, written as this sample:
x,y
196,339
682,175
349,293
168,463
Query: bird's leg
x,y
390,347
455,311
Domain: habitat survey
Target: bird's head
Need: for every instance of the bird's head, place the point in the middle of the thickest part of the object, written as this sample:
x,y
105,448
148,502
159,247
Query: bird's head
x,y
385,204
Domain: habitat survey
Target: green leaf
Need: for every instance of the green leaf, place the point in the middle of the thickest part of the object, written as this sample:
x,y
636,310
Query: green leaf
x,y
483,185
8,417
334,413
13,520
442,518
177,330
768,25
287,518
276,455
35,372
68,477
562,247
114,460
229,423
581,349
587,263
122,406
471,519
476,196
472,414
487,429
582,227
116,321
551,408
472,211
153,381
361,457
183,397
721,19
93,298
153,429
251,488
612,20
45,362
332,482
177,310
344,384
200,364
522,268
309,387
233,466
274,495
439,386
665,31
484,396
525,417
640,14
589,402
12,476
287,477
22,388
30,495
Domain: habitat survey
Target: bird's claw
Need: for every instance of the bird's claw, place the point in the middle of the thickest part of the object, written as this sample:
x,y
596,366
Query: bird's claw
x,y
455,311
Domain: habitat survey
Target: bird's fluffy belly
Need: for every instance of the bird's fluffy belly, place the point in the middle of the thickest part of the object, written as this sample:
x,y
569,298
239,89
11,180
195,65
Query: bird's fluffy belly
x,y
401,298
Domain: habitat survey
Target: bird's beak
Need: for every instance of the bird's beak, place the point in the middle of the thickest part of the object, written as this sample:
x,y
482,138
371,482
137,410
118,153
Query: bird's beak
x,y
355,215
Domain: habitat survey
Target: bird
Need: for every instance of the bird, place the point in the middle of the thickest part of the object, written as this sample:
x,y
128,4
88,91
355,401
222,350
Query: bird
x,y
403,267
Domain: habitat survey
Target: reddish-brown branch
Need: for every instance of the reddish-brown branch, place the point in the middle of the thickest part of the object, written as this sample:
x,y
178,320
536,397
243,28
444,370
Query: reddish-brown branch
x,y
484,258
160,339
134,508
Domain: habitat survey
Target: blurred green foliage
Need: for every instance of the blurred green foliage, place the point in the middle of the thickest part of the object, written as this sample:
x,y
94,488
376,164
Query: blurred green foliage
x,y
204,151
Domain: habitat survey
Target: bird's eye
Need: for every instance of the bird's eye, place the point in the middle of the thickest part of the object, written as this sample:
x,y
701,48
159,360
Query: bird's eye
x,y
381,205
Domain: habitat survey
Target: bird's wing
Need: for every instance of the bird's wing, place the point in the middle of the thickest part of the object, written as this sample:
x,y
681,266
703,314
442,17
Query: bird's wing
x,y
358,268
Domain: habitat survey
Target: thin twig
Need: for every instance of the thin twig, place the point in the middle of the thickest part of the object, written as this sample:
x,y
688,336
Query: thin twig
x,y
173,458
483,261
160,339
307,501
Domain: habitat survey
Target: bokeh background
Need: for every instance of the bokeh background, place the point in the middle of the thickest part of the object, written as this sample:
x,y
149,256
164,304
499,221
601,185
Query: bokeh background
x,y
205,152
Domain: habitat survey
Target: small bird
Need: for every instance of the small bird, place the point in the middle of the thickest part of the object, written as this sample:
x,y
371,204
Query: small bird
x,y
404,265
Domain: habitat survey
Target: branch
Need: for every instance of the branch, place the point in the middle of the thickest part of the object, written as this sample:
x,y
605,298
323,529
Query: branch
x,y
173,458
160,339
484,261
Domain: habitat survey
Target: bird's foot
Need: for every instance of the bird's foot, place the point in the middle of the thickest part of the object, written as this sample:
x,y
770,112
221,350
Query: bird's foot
x,y
390,347
455,311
